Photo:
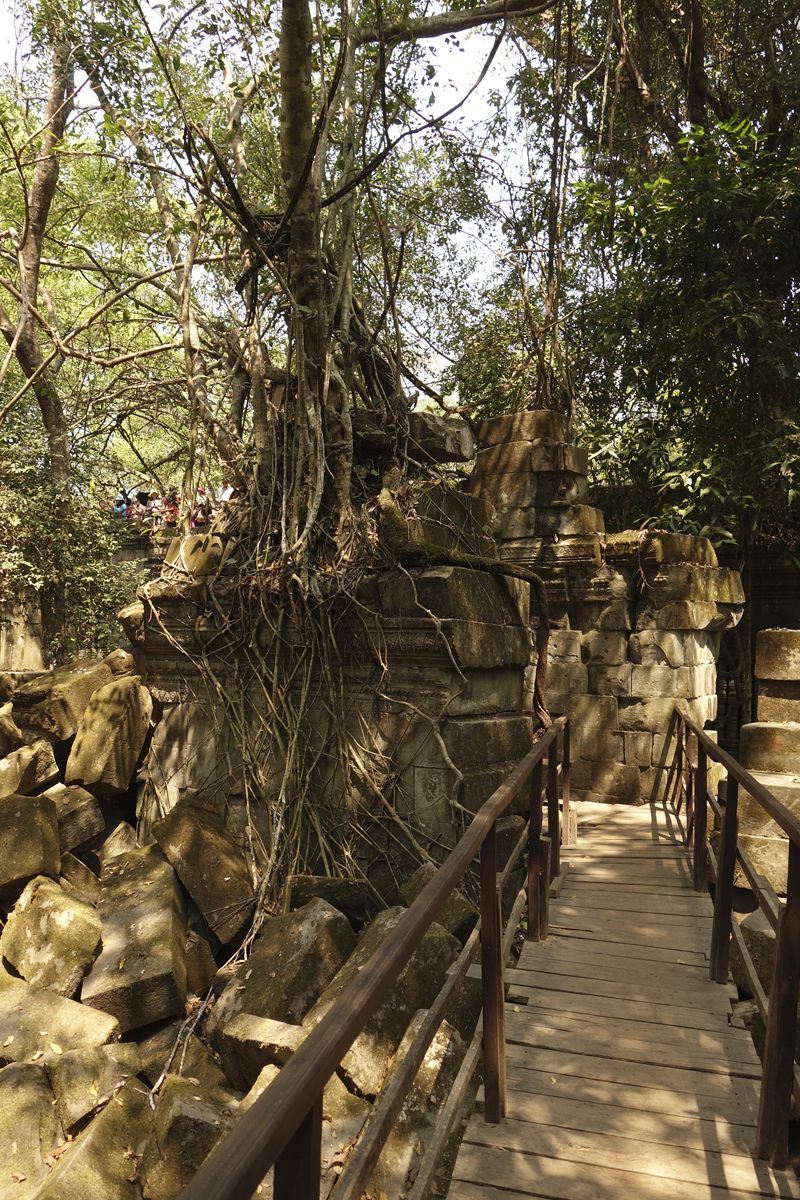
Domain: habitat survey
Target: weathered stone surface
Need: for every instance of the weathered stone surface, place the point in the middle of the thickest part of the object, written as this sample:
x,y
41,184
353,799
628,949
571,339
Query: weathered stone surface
x,y
593,720
522,489
654,783
420,982
352,897
50,938
656,647
28,1129
759,938
778,654
524,426
131,618
248,1044
111,736
474,742
199,553
778,701
190,1120
416,1120
458,915
455,520
689,614
200,965
637,748
753,818
10,734
31,1020
568,520
508,831
568,551
770,857
677,582
634,545
768,746
603,648
210,866
655,715
516,522
617,779
28,842
77,879
654,682
564,646
439,439
118,837
611,681
162,1052
78,813
615,616
27,770
563,678
54,703
293,960
140,975
452,592
82,1080
539,456
101,1163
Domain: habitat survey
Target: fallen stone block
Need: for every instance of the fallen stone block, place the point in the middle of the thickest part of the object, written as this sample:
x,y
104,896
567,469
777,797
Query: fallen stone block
x,y
102,1162
27,770
79,880
353,897
131,618
770,857
603,648
111,736
366,1060
162,1053
33,1021
118,837
10,734
140,975
611,681
458,915
248,1044
617,779
50,938
778,654
189,1121
54,703
768,746
292,962
200,965
778,701
210,866
78,814
759,937
29,1129
83,1080
524,427
28,842
199,553
432,438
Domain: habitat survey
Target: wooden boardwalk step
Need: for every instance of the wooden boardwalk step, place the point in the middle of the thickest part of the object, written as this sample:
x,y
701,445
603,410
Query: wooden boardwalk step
x,y
625,1079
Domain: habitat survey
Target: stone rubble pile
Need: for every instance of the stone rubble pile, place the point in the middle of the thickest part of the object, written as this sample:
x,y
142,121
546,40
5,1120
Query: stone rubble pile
x,y
116,1082
635,617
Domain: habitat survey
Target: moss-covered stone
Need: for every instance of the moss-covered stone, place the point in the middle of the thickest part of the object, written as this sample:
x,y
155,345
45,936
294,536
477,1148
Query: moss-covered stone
x,y
78,813
192,1059
51,937
353,897
27,769
83,1080
32,1022
366,1060
29,1129
247,1044
190,1120
79,880
28,842
54,703
110,737
292,961
199,553
458,915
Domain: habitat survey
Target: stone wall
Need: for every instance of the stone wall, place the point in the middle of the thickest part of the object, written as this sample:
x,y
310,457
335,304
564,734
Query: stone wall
x,y
21,636
635,617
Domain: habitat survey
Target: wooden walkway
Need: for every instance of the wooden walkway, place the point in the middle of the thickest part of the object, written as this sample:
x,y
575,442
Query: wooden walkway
x,y
627,1079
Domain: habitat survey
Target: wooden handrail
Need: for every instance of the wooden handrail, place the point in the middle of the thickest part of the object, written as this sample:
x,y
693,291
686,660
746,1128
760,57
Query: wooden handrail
x,y
780,1008
283,1126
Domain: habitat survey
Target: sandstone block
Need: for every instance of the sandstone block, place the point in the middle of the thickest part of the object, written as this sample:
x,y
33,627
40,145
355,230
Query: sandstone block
x,y
458,915
50,938
600,586
564,646
691,614
516,522
602,648
767,746
291,963
778,701
131,618
523,427
118,837
31,1021
140,975
78,814
83,1080
778,654
759,937
248,1044
28,842
508,831
562,678
683,582
349,896
453,592
171,1050
568,520
611,681
111,736
79,880
581,774
523,489
29,1129
583,551
635,545
539,456
593,720
700,647
54,703
770,857
199,553
654,683
200,965
753,818
28,769
475,742
615,616
101,1161
366,1060
656,647
456,520
10,734
190,1120
637,748
479,645
210,866
618,780
439,439
651,716
654,783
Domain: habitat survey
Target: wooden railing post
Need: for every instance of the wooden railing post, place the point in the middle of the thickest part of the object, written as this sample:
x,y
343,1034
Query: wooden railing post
x,y
553,831
544,890
678,801
701,821
494,1048
566,836
689,786
776,1080
297,1168
534,853
723,898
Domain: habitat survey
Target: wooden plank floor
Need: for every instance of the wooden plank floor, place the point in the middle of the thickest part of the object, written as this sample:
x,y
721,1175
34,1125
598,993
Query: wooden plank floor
x,y
626,1080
